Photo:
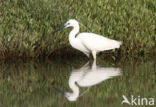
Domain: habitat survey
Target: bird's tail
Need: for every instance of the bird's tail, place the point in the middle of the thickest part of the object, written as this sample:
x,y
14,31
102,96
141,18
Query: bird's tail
x,y
121,42
118,44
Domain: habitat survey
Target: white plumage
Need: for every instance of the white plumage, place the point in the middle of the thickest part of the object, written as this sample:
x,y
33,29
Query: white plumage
x,y
89,42
88,76
97,43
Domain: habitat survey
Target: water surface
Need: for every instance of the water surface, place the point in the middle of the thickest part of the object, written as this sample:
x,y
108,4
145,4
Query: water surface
x,y
75,82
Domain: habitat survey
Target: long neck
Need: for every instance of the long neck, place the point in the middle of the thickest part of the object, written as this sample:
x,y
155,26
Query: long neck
x,y
73,33
74,88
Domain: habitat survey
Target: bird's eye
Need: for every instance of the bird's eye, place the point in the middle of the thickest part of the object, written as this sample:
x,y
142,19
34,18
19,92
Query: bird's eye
x,y
68,23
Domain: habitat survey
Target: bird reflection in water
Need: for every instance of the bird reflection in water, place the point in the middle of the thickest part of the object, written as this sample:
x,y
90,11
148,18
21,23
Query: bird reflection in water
x,y
88,76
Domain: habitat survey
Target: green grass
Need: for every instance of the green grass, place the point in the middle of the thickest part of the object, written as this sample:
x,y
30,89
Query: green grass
x,y
25,25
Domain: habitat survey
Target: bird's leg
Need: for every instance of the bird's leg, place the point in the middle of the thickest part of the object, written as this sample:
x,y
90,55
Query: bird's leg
x,y
94,55
94,65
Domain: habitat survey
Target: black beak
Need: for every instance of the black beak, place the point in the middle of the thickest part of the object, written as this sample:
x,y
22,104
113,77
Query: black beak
x,y
59,91
59,29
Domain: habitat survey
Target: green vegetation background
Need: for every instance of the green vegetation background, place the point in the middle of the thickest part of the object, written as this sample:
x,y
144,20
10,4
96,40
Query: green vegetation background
x,y
25,25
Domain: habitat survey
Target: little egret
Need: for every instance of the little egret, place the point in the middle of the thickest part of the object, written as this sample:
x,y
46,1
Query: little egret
x,y
88,76
88,42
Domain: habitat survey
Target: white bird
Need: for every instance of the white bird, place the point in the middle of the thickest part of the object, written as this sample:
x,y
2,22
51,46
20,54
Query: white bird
x,y
88,42
87,77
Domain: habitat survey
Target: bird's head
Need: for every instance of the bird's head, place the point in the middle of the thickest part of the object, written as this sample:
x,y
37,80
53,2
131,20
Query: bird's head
x,y
71,96
70,23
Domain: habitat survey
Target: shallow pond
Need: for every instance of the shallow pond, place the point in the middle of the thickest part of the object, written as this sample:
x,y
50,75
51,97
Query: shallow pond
x,y
66,82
